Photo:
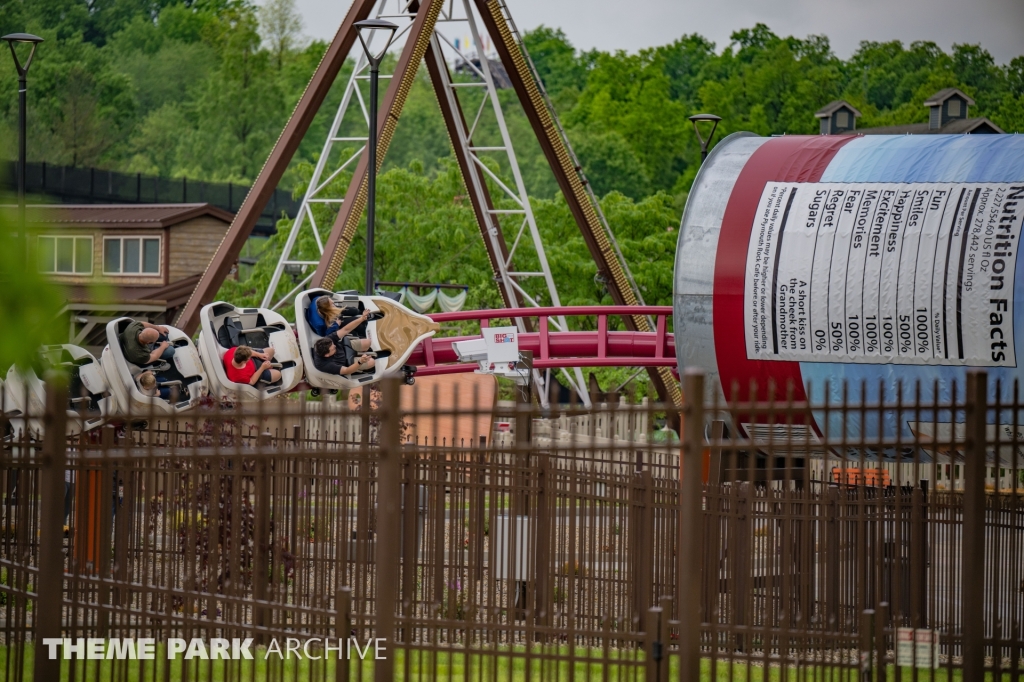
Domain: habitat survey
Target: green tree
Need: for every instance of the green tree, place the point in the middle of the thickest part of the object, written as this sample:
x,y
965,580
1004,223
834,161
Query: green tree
x,y
631,95
563,73
610,163
30,301
280,27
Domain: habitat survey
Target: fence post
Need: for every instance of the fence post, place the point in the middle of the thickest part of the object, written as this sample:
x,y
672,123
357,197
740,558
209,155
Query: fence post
x,y
107,509
51,526
389,512
123,528
881,647
867,643
691,527
641,519
655,644
410,536
343,630
713,517
918,558
973,557
543,602
261,539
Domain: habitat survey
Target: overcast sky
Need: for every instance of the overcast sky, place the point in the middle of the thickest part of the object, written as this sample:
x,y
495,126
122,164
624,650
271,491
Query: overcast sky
x,y
634,24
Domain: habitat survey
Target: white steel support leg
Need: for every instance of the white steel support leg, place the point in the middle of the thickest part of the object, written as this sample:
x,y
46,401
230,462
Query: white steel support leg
x,y
315,191
474,181
522,198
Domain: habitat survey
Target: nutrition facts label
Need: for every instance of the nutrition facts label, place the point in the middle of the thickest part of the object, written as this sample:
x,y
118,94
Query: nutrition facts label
x,y
910,273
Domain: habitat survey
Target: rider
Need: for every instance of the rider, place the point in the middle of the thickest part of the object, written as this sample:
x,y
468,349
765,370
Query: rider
x,y
148,384
336,352
241,368
329,317
145,343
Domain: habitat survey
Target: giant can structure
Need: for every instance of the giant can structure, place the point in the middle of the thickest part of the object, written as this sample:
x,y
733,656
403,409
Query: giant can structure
x,y
874,261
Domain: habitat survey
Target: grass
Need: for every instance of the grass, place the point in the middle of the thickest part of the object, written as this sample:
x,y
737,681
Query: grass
x,y
504,664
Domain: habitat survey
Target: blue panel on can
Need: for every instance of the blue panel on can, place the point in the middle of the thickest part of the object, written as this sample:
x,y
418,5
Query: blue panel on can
x,y
917,158
929,158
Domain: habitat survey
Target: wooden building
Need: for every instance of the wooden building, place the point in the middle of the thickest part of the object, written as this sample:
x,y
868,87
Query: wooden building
x,y
148,257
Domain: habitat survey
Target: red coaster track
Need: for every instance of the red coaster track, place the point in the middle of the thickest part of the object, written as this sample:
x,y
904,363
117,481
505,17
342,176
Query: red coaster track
x,y
555,349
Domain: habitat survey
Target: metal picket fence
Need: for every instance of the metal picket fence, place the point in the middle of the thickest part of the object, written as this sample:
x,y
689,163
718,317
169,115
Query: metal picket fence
x,y
787,538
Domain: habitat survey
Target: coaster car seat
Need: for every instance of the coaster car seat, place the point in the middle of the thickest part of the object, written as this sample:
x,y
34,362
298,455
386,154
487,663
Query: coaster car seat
x,y
225,326
121,374
393,330
90,401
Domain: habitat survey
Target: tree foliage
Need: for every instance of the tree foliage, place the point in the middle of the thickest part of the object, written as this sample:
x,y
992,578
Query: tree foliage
x,y
202,88
31,303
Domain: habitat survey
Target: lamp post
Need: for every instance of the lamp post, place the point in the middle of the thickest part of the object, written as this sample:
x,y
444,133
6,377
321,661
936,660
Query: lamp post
x,y
697,118
12,40
366,29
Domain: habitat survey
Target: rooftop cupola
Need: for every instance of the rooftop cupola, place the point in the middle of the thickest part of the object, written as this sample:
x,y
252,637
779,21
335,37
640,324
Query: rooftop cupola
x,y
837,117
947,105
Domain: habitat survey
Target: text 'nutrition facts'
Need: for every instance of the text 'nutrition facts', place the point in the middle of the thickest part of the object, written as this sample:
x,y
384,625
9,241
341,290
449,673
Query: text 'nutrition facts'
x,y
911,273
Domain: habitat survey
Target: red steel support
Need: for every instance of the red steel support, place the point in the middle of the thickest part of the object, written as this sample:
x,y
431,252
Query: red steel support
x,y
545,351
662,331
553,350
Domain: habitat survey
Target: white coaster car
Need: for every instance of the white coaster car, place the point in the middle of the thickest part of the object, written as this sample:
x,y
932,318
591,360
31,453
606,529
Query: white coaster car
x,y
121,374
90,401
393,330
225,326
24,395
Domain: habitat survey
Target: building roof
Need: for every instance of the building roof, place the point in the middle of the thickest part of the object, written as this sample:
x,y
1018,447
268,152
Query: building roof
x,y
158,298
834,105
942,95
955,127
132,216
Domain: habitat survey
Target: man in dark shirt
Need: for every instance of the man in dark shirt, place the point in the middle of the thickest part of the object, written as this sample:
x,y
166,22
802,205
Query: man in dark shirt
x,y
336,352
145,343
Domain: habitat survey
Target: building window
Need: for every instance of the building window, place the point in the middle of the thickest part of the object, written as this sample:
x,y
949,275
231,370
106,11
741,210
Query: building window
x,y
131,256
65,255
842,119
954,107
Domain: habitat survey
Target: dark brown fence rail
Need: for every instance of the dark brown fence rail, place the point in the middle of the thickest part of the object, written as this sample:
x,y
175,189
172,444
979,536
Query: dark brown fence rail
x,y
87,185
758,548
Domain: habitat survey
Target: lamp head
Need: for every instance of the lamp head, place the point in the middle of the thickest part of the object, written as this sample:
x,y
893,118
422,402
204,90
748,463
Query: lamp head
x,y
18,38
367,28
698,118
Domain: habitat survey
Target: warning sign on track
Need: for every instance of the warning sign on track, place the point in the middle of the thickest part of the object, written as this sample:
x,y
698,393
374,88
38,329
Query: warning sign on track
x,y
910,273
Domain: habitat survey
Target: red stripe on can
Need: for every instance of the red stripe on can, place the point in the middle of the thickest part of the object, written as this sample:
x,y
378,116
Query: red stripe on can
x,y
781,159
